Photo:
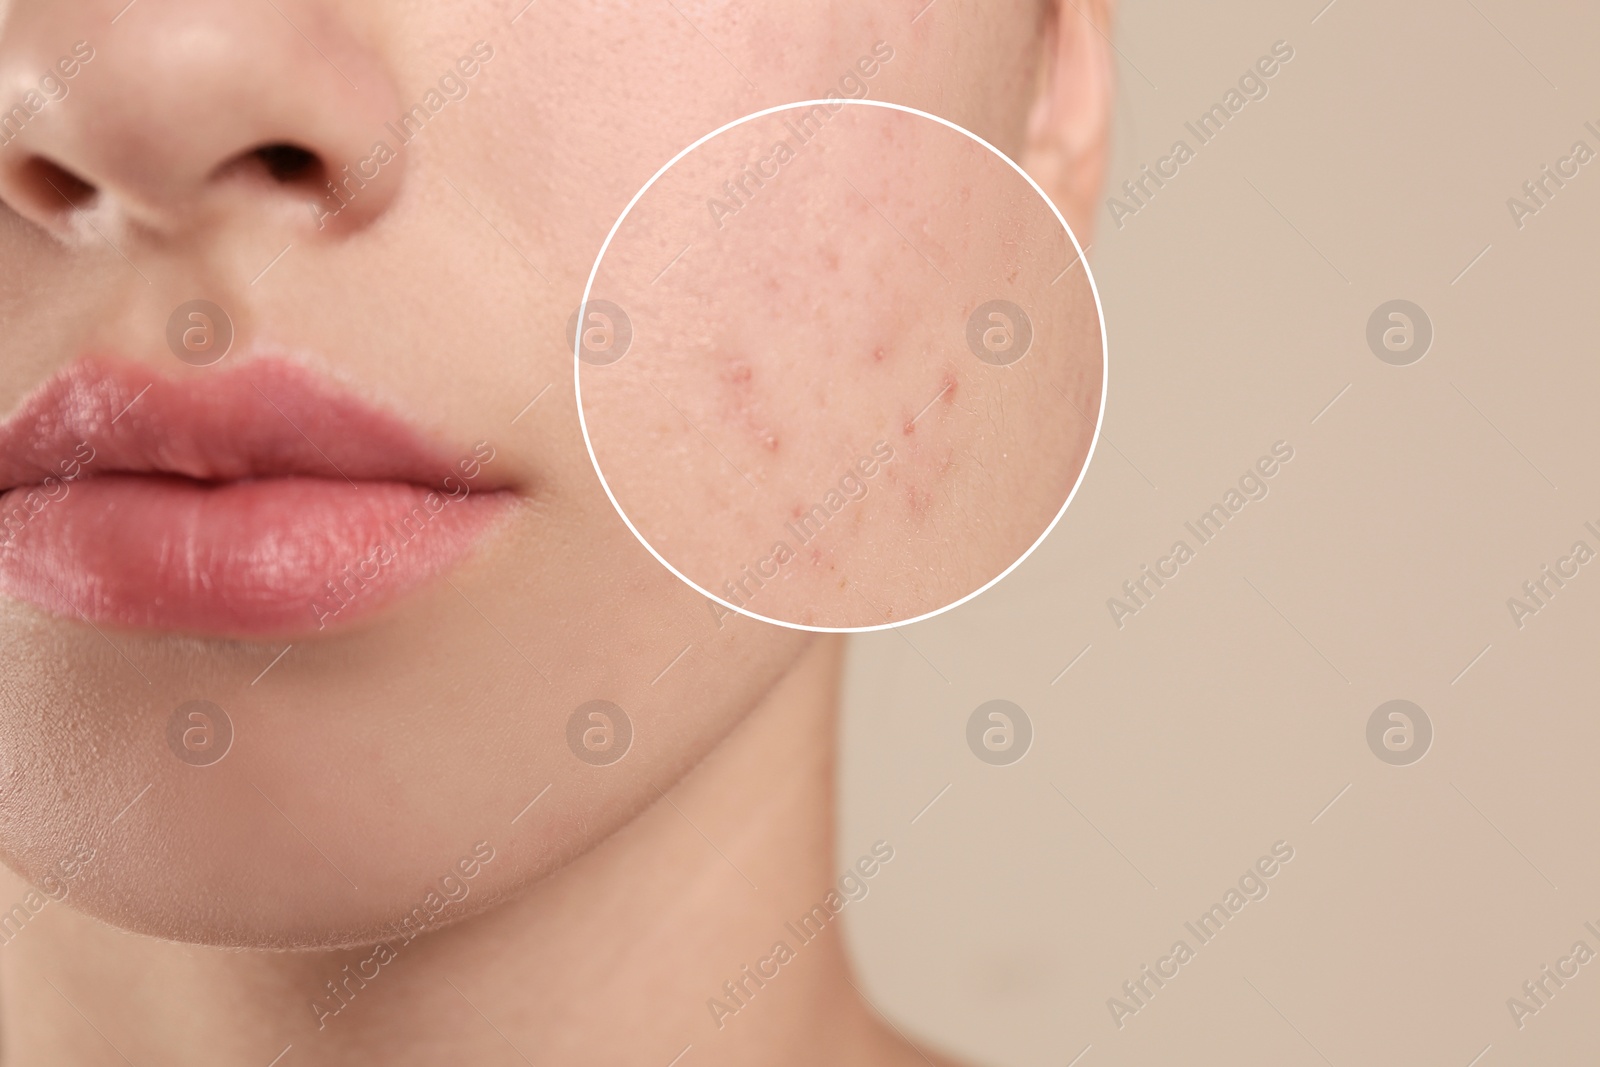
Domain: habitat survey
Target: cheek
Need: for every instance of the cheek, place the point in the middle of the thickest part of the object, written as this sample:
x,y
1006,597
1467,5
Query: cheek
x,y
809,420
801,317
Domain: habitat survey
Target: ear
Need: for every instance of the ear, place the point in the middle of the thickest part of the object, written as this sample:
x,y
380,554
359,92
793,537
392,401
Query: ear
x,y
1069,126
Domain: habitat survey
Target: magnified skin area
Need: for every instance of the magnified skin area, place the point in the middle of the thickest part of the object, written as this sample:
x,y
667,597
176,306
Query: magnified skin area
x,y
799,290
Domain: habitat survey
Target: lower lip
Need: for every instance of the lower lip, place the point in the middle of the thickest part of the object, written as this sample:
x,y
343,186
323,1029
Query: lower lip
x,y
280,556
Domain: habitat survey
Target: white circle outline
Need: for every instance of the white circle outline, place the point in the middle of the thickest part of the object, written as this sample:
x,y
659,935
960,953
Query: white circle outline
x,y
577,364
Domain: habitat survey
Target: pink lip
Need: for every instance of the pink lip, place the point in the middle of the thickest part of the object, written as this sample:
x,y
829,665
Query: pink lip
x,y
253,501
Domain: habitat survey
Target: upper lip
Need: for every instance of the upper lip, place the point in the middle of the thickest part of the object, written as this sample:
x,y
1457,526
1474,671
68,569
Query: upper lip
x,y
266,417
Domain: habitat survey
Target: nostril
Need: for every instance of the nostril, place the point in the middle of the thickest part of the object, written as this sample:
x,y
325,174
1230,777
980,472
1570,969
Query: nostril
x,y
289,163
52,188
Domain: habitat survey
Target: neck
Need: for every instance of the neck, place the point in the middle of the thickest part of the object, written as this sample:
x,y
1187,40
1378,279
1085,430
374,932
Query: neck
x,y
665,936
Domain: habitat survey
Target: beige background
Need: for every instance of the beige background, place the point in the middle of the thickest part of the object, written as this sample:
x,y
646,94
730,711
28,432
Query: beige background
x,y
1231,711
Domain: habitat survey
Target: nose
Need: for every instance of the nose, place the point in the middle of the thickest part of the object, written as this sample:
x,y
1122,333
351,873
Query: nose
x,y
170,115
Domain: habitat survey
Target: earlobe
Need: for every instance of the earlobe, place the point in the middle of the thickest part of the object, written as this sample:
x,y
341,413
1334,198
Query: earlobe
x,y
1069,125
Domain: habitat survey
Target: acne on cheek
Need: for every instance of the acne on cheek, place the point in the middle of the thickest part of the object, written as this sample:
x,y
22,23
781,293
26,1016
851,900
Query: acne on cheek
x,y
923,422
929,468
744,403
930,445
948,386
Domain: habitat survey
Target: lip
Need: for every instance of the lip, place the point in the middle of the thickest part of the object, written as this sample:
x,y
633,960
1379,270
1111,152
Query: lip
x,y
254,501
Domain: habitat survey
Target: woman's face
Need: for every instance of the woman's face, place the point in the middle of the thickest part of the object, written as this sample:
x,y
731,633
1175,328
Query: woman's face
x,y
398,377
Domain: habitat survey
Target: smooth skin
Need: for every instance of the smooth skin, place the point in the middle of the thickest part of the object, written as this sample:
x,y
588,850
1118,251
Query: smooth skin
x,y
368,762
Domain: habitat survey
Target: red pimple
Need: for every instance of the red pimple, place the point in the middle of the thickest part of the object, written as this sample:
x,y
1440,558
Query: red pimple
x,y
878,354
918,501
949,383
